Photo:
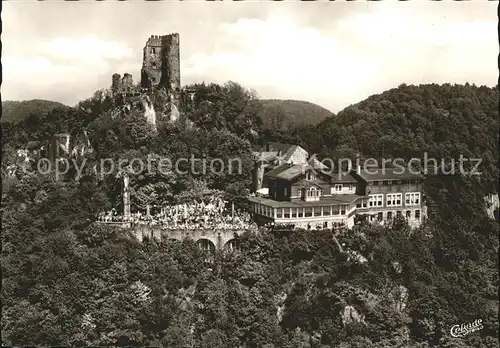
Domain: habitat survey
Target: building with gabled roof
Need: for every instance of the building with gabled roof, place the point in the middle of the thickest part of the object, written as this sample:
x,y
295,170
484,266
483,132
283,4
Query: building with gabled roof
x,y
302,196
314,162
266,161
304,193
392,192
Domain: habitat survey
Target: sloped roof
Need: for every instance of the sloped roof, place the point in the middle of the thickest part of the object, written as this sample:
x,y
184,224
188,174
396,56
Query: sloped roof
x,y
274,172
315,163
291,151
342,178
287,171
378,174
310,183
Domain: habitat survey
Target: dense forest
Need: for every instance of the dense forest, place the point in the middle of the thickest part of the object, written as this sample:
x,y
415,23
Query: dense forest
x,y
443,121
286,114
17,111
69,282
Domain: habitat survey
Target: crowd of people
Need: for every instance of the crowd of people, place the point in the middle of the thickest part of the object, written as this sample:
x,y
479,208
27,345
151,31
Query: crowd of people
x,y
110,216
212,213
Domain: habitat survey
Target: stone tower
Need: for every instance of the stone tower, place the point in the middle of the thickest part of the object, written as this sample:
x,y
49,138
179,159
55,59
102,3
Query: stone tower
x,y
127,82
116,84
161,65
122,85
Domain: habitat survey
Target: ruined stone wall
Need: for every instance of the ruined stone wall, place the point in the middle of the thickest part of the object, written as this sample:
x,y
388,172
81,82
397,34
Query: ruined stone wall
x,y
121,85
152,62
171,75
160,71
116,83
127,82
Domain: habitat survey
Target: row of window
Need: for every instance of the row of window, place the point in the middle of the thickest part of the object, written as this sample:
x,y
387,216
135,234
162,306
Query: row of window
x,y
340,187
314,192
310,176
287,213
396,182
325,225
408,215
311,194
412,198
392,200
376,200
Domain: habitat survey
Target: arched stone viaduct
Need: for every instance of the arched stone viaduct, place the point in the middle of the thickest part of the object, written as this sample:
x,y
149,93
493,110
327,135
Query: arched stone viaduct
x,y
217,239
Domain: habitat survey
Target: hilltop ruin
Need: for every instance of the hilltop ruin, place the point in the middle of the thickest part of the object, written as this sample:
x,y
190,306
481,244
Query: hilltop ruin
x,y
160,72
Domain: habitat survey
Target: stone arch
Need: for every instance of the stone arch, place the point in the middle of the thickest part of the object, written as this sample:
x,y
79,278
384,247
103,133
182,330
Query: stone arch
x,y
206,245
232,245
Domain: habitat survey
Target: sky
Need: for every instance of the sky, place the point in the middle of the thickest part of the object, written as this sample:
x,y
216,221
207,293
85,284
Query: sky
x,y
333,54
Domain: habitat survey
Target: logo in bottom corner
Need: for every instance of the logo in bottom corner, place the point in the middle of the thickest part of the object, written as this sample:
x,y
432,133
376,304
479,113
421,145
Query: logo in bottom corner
x,y
465,329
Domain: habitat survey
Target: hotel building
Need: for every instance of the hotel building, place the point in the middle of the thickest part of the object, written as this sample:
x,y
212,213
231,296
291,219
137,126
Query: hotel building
x,y
306,195
392,192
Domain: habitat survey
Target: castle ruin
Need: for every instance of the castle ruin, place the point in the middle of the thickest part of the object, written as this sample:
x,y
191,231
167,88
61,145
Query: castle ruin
x,y
123,84
161,65
160,71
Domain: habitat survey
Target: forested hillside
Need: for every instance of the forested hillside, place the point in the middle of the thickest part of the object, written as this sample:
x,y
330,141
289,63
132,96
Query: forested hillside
x,y
216,127
66,281
443,121
287,114
17,111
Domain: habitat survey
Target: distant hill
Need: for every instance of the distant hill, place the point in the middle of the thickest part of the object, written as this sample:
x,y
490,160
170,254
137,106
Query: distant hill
x,y
409,121
283,114
16,111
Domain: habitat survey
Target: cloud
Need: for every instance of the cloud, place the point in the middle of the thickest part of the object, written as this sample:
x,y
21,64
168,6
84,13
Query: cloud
x,y
361,54
64,62
88,49
331,54
277,54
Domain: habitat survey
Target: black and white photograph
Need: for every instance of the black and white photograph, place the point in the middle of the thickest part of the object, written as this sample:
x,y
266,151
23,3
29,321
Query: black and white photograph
x,y
250,174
